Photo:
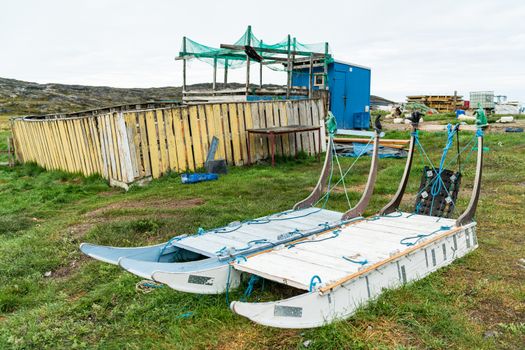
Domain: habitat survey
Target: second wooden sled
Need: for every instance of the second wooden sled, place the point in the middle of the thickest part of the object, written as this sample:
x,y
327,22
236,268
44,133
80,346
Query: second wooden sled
x,y
344,268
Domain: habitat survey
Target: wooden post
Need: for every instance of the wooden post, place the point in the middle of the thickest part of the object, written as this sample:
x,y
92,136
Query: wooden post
x,y
249,43
183,65
289,70
225,73
214,87
260,71
310,73
247,75
325,80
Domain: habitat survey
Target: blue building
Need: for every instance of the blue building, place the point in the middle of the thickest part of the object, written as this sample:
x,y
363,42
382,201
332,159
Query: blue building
x,y
349,90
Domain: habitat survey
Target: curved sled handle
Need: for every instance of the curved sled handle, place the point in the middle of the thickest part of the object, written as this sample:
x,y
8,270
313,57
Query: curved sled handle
x,y
396,200
321,184
468,215
361,206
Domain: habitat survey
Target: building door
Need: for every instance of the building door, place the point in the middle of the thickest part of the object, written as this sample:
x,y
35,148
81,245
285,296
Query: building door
x,y
339,99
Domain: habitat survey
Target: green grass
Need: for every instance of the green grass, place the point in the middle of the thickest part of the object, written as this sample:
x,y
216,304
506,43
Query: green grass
x,y
44,216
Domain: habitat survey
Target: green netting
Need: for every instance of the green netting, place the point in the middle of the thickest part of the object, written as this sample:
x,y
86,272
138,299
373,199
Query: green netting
x,y
237,58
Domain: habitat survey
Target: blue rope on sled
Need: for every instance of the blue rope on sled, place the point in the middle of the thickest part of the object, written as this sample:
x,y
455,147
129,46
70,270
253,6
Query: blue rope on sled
x,y
313,282
417,238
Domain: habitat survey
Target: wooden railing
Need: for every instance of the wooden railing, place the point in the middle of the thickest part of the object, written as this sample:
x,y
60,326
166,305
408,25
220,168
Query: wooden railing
x,y
127,146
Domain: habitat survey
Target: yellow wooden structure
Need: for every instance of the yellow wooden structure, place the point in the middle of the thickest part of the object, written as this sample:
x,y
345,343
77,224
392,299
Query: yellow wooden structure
x,y
127,146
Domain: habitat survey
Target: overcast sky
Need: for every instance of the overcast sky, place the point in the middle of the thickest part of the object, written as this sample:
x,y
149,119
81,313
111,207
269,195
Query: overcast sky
x,y
413,47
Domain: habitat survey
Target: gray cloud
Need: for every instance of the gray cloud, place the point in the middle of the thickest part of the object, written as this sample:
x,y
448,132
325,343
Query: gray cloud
x,y
412,46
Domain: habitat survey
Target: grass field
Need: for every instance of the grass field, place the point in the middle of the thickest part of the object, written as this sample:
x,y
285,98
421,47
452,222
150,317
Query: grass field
x,y
53,297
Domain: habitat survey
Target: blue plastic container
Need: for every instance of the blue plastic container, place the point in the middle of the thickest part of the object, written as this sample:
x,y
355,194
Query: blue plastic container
x,y
198,177
459,112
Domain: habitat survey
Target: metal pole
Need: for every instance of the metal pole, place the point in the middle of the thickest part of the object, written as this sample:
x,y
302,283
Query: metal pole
x,y
260,72
225,73
325,64
249,42
214,74
310,72
289,70
184,65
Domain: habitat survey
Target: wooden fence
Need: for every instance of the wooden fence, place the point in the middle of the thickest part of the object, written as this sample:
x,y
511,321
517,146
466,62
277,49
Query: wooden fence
x,y
127,146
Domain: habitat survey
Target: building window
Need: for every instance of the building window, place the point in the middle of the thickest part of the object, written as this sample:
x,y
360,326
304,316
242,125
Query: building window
x,y
319,80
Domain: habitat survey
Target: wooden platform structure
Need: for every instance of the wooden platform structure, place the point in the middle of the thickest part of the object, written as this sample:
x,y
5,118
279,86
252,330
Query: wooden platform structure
x,y
126,146
441,103
250,50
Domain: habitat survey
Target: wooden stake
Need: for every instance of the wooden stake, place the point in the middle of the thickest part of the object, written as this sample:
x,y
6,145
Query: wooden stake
x,y
249,43
225,73
289,70
214,74
325,80
310,72
260,72
184,65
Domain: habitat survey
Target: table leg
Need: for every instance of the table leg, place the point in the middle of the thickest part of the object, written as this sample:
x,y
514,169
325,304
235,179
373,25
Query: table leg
x,y
272,141
249,156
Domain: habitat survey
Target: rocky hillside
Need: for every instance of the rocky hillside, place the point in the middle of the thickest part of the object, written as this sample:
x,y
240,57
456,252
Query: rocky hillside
x,y
21,98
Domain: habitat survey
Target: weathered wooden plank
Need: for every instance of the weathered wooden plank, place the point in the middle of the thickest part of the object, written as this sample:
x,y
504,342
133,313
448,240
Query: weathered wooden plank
x,y
293,120
287,120
227,133
322,117
303,120
144,144
219,131
283,121
263,124
195,137
182,157
271,122
311,134
90,154
65,145
234,126
74,148
93,127
153,144
211,131
187,138
48,157
114,141
241,113
108,148
81,140
124,149
248,124
130,122
257,139
202,116
315,121
164,160
51,144
170,137
279,150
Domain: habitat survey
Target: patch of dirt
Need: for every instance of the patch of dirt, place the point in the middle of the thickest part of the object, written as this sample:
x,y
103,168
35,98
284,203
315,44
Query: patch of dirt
x,y
169,203
491,311
68,270
77,296
109,193
96,216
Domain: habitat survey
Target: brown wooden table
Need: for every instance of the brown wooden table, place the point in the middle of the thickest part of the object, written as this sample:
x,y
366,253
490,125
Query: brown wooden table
x,y
281,130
